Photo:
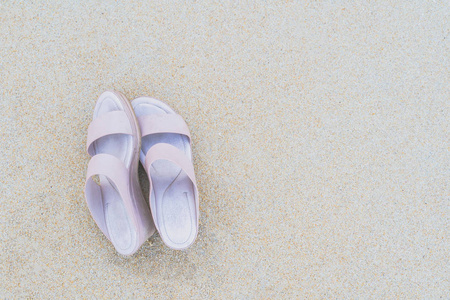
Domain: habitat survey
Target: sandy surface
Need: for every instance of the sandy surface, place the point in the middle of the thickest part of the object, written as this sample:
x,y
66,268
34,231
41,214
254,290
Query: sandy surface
x,y
321,146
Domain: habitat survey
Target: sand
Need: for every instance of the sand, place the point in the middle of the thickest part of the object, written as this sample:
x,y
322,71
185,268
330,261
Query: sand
x,y
320,137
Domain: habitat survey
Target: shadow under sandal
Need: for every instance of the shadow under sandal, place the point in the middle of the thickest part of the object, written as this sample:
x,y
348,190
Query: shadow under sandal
x,y
115,200
167,159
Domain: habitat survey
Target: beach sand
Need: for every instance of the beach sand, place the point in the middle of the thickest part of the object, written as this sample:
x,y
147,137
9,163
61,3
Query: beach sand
x,y
320,136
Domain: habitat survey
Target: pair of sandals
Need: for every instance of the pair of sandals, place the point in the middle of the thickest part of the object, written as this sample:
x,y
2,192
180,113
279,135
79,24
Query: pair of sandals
x,y
122,134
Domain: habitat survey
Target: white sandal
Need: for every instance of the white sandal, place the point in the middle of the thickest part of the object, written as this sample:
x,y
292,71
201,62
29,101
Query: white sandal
x,y
167,159
116,202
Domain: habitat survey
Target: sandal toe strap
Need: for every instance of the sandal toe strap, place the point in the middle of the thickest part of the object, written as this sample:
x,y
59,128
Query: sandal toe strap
x,y
163,123
115,122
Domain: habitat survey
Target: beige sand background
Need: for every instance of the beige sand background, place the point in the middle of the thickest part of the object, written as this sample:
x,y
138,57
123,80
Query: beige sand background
x,y
321,146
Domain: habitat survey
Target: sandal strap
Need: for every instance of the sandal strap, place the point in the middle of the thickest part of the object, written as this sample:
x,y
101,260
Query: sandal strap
x,y
115,122
163,151
163,123
116,171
